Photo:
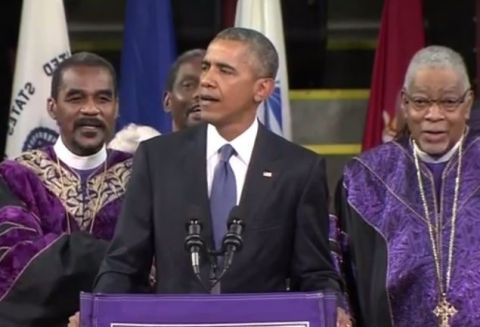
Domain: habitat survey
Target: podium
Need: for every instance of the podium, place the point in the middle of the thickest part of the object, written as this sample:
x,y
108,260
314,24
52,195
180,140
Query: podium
x,y
224,310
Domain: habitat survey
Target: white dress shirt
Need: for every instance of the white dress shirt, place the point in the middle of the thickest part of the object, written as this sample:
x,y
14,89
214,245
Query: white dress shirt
x,y
243,145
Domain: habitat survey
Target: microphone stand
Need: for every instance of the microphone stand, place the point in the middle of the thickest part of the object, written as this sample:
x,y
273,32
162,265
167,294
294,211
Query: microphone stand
x,y
215,287
232,242
193,245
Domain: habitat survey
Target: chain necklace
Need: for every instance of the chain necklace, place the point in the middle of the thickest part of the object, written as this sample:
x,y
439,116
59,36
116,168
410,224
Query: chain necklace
x,y
97,202
444,309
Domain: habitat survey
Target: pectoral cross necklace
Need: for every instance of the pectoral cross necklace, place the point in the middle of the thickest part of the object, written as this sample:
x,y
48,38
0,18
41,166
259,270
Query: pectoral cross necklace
x,y
444,310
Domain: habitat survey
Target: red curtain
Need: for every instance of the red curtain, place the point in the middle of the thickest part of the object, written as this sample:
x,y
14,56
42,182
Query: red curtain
x,y
228,9
401,35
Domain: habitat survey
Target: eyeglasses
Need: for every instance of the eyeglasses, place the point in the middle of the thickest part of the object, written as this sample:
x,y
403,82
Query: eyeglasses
x,y
448,103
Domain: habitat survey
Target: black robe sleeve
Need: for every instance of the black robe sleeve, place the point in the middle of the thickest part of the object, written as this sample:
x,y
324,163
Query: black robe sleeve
x,y
364,265
45,292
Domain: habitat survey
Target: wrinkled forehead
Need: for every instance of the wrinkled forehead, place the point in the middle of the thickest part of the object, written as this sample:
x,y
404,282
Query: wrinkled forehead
x,y
231,52
86,78
192,67
194,61
437,80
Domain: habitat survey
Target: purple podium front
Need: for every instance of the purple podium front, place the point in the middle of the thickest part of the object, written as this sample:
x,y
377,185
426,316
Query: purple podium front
x,y
232,310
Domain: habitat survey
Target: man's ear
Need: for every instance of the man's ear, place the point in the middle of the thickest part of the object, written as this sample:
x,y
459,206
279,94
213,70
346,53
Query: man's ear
x,y
263,89
52,108
167,101
403,104
117,107
469,99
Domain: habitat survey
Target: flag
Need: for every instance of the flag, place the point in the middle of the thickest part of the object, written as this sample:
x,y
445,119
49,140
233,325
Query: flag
x,y
148,51
401,35
43,44
266,17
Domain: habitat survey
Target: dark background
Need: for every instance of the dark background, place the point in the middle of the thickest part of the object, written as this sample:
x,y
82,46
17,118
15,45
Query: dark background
x,y
329,44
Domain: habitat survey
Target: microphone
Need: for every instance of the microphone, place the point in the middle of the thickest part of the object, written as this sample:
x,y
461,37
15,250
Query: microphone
x,y
233,241
193,241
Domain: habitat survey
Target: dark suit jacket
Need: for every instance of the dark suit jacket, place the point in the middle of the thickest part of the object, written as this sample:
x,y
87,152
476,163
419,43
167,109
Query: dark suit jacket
x,y
286,218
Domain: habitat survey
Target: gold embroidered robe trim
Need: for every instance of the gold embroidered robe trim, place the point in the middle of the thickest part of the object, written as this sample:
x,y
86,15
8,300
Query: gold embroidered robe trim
x,y
100,190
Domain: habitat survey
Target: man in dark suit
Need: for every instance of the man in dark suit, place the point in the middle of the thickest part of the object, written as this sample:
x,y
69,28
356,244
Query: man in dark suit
x,y
280,187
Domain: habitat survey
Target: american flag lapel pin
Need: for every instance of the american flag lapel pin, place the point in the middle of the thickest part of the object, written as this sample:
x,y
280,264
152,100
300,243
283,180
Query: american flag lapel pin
x,y
267,174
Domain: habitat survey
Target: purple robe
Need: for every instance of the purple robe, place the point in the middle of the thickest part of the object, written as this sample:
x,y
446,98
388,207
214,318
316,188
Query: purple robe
x,y
392,273
51,246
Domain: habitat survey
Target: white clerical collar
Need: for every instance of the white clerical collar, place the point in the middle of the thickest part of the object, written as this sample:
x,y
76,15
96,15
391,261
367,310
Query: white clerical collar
x,y
425,157
243,144
79,162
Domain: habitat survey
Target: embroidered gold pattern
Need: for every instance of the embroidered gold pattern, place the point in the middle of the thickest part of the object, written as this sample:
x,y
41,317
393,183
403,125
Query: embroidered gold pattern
x,y
100,189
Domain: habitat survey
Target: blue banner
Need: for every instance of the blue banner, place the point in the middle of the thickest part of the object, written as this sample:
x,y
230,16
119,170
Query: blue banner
x,y
148,51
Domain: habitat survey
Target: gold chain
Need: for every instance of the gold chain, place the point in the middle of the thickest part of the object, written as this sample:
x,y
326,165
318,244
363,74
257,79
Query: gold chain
x,y
436,247
97,203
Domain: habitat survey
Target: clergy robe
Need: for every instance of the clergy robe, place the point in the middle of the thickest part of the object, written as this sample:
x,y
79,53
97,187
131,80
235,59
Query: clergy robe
x,y
390,264
49,250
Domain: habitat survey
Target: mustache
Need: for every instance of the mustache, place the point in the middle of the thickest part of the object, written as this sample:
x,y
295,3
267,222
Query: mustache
x,y
87,121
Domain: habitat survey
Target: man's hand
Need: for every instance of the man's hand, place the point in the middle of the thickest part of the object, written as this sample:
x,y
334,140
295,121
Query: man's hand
x,y
74,321
343,318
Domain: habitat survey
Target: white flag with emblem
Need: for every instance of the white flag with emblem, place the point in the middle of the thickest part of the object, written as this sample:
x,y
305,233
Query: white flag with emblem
x,y
43,44
265,16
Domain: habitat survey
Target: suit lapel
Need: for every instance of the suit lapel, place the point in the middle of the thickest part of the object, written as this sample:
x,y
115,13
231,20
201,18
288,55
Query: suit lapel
x,y
262,172
195,178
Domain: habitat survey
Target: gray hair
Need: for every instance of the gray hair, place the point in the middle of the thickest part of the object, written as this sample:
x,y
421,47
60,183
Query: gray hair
x,y
436,56
259,44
